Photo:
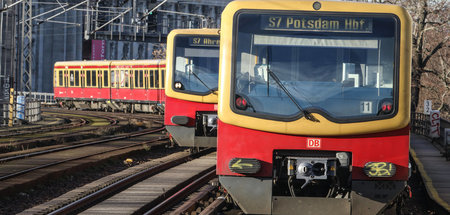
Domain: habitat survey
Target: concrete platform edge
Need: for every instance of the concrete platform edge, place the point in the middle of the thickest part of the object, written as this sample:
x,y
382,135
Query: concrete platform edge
x,y
428,182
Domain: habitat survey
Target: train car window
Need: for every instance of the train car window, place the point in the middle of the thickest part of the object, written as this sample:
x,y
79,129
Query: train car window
x,y
132,77
152,79
88,78
94,78
72,78
141,78
146,79
124,78
105,78
83,78
157,78
113,83
60,78
163,74
77,78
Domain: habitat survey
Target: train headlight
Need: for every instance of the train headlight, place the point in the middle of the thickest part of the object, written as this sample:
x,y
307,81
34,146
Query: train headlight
x,y
244,165
379,169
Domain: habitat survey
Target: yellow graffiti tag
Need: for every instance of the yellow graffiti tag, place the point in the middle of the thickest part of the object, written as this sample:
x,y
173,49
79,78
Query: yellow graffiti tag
x,y
379,169
240,165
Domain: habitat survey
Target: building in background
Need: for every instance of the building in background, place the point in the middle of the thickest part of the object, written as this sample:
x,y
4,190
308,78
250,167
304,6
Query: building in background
x,y
100,29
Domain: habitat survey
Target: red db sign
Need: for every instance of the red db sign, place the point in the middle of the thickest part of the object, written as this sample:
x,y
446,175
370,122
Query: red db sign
x,y
313,143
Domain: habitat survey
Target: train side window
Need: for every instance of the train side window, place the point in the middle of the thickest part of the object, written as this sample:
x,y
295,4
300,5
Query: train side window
x,y
163,72
136,78
132,77
77,78
146,79
141,78
124,78
157,78
94,78
105,78
60,78
72,78
83,78
152,79
88,78
113,84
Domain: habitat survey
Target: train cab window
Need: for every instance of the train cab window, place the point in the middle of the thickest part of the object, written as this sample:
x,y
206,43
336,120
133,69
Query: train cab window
x,y
77,78
94,78
152,79
60,78
342,75
157,78
88,78
105,78
163,72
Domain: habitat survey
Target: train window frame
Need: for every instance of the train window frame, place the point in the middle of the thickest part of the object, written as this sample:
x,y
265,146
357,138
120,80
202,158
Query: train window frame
x,y
140,78
284,118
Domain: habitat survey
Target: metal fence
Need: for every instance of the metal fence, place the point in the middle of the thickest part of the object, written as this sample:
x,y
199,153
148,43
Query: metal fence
x,y
45,98
420,124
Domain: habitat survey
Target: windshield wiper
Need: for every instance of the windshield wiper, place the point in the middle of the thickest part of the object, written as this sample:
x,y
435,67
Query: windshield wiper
x,y
307,114
195,75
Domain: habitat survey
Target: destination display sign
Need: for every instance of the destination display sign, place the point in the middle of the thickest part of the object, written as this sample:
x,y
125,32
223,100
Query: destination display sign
x,y
204,41
316,23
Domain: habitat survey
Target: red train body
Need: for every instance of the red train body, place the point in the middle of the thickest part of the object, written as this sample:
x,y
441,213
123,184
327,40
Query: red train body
x,y
131,85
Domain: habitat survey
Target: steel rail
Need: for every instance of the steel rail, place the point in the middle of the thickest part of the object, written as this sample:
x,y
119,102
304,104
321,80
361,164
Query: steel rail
x,y
181,194
8,176
120,185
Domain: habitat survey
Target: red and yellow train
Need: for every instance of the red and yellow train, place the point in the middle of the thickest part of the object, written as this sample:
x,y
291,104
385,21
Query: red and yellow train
x,y
314,106
128,85
191,86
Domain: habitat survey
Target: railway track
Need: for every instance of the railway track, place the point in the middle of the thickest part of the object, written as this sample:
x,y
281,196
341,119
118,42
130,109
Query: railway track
x,y
85,125
22,170
150,188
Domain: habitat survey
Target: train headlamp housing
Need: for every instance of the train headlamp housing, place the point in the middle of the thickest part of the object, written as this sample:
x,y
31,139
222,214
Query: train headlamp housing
x,y
379,169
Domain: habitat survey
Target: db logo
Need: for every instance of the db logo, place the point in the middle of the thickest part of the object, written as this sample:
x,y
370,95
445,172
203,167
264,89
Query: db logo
x,y
313,143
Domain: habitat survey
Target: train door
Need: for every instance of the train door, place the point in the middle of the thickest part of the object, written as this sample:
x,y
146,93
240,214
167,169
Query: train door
x,y
161,91
99,83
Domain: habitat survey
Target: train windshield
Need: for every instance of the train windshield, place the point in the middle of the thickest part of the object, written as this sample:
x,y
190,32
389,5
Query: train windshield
x,y
340,66
196,60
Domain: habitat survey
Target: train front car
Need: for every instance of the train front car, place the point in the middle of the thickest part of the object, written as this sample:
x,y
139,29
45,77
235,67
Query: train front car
x,y
314,104
191,86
